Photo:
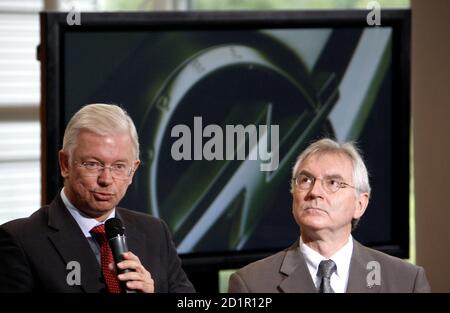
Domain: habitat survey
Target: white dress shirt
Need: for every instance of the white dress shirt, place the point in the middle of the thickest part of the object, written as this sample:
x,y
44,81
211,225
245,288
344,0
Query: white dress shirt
x,y
86,223
342,257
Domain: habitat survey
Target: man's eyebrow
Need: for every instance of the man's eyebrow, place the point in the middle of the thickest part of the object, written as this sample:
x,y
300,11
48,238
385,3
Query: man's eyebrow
x,y
305,172
90,158
102,162
121,161
334,176
330,176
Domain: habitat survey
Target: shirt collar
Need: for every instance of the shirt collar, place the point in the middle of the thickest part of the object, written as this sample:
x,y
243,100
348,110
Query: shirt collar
x,y
85,222
342,257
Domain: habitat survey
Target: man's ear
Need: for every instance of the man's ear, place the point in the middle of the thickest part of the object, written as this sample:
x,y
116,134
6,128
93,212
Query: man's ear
x,y
63,163
135,167
361,204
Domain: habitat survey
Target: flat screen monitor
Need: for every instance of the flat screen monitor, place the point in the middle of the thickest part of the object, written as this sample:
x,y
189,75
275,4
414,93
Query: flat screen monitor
x,y
224,102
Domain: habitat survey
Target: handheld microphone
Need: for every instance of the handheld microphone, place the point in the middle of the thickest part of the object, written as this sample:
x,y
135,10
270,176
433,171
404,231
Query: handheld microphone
x,y
114,231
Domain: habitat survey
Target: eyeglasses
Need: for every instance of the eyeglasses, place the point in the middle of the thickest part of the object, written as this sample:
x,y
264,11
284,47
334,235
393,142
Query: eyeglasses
x,y
118,170
330,185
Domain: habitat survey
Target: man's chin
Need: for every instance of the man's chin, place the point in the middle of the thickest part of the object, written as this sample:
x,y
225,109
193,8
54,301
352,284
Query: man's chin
x,y
313,222
99,208
104,207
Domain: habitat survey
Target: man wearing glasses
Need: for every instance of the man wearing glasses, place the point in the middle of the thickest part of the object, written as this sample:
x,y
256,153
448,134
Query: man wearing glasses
x,y
331,191
63,248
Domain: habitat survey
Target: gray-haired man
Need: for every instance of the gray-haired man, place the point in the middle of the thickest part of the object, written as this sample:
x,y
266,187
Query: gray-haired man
x,y
62,247
331,191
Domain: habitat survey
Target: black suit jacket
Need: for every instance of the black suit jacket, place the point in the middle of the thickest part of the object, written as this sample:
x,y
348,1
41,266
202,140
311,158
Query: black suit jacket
x,y
35,251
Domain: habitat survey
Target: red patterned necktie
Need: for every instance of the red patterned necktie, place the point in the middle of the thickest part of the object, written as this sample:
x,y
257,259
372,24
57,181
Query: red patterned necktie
x,y
111,280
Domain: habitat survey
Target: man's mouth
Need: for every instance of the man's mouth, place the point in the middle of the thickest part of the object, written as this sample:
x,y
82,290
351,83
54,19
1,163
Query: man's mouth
x,y
314,210
103,196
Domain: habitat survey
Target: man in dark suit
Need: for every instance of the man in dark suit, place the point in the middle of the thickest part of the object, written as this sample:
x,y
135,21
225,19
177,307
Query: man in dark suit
x,y
60,248
331,191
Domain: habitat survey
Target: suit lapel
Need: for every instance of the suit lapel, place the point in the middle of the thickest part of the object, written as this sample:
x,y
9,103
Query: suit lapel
x,y
298,277
357,278
72,245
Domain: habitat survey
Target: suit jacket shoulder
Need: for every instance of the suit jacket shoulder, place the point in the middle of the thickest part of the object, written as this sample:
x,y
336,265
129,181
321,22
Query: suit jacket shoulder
x,y
285,271
35,252
375,271
257,276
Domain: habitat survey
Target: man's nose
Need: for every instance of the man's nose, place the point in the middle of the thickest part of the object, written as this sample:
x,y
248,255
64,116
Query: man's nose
x,y
316,189
105,177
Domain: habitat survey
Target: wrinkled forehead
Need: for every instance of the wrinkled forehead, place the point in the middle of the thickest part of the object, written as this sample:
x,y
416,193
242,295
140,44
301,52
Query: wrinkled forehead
x,y
327,164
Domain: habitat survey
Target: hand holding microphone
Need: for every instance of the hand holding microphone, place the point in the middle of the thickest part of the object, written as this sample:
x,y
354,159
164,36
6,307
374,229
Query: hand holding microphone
x,y
131,273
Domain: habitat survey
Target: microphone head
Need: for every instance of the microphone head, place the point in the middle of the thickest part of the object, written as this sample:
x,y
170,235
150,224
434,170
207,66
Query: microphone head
x,y
114,228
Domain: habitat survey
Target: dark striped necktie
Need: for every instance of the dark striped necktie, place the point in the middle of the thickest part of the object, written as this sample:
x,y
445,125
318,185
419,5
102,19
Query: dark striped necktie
x,y
326,269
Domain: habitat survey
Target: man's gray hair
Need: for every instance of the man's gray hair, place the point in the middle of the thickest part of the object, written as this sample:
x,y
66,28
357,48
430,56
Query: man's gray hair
x,y
349,149
101,119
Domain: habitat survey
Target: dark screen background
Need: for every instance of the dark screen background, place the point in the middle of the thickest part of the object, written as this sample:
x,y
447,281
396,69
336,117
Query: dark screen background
x,y
128,67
